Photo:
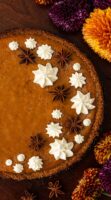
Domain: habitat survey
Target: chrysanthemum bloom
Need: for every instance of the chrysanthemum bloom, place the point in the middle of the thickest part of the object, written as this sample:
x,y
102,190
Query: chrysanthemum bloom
x,y
97,32
69,15
103,149
89,186
102,3
105,176
44,2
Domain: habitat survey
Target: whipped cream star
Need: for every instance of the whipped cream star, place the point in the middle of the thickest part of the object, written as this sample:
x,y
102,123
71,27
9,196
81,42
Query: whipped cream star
x,y
45,52
77,66
18,168
30,43
87,122
13,46
21,157
61,149
8,162
82,103
54,129
79,138
77,80
45,75
35,163
56,114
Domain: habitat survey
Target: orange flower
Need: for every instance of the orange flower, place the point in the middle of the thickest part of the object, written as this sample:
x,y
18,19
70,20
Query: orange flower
x,y
97,32
44,2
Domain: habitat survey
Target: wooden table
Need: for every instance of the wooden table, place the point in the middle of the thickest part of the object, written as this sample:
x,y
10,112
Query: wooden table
x,y
25,13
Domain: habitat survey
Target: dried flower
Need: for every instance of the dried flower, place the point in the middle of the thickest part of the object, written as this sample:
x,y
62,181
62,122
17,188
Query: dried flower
x,y
36,142
28,196
44,2
105,176
89,186
60,93
63,57
69,15
102,3
26,56
73,124
55,189
103,149
97,32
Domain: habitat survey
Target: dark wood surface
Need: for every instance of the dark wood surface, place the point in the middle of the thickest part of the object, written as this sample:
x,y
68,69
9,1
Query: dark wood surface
x,y
23,14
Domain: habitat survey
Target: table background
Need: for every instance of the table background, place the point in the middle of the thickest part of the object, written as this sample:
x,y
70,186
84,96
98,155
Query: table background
x,y
25,13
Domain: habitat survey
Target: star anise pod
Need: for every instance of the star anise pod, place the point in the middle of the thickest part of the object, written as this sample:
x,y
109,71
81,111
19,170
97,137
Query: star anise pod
x,y
26,56
36,142
60,93
55,189
63,57
73,124
28,196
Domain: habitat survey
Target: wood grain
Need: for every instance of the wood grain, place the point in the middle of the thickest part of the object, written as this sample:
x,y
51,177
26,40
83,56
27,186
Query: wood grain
x,y
23,14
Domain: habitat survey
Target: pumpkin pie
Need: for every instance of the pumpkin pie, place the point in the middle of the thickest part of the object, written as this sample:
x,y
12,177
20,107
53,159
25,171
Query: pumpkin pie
x,y
51,104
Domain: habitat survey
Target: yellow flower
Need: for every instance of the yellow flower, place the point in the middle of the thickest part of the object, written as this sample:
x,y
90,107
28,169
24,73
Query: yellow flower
x,y
89,187
97,32
103,149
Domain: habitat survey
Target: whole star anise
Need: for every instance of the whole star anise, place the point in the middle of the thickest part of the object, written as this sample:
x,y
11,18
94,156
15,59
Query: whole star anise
x,y
36,142
55,189
73,124
26,56
60,93
63,57
28,196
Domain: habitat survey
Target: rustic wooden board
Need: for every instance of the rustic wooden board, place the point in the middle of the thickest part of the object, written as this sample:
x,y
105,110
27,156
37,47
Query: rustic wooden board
x,y
23,14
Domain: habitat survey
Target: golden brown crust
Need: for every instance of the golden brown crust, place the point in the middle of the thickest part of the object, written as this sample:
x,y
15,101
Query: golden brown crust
x,y
98,117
